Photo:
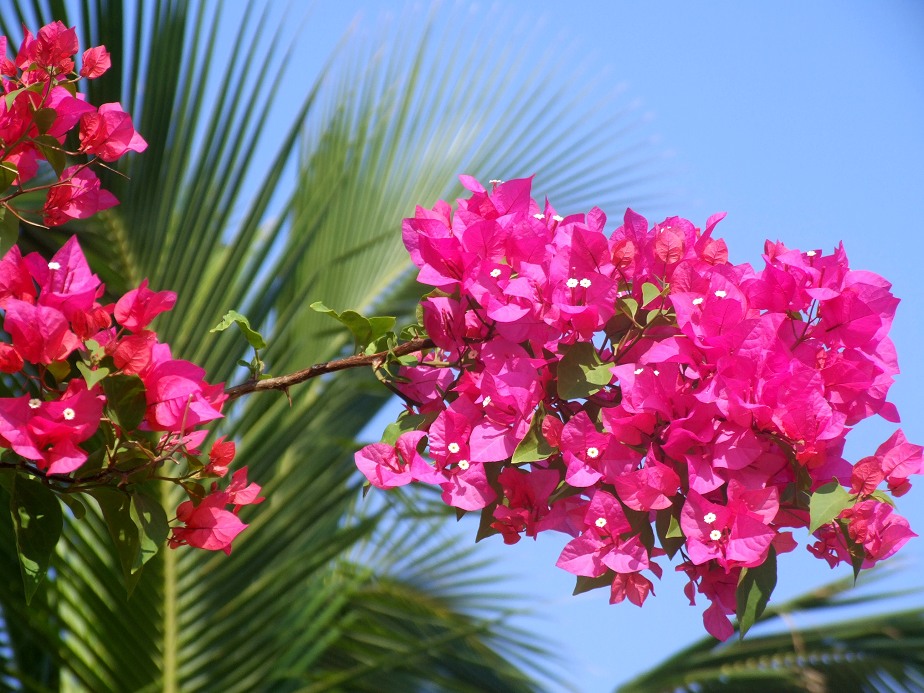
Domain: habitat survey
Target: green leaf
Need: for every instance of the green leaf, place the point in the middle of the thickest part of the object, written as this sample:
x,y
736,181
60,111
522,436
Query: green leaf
x,y
8,173
51,149
755,585
581,373
856,550
655,316
232,317
827,503
669,532
59,369
151,521
628,306
11,97
44,118
125,400
534,446
883,497
405,422
649,293
116,507
9,230
91,376
485,520
364,330
74,503
381,325
38,520
586,584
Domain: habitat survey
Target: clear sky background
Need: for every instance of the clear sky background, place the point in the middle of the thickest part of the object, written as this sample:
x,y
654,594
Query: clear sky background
x,y
805,122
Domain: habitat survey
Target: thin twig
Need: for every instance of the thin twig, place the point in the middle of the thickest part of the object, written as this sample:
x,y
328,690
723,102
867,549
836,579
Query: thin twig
x,y
284,382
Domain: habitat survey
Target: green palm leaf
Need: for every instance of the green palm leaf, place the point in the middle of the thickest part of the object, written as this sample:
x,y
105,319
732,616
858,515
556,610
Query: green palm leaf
x,y
880,650
307,601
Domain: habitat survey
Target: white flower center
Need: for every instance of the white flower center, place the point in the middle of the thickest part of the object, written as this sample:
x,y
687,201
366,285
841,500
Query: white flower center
x,y
656,372
54,265
35,403
495,181
709,518
558,217
486,401
463,465
585,282
453,448
715,535
495,273
539,216
638,371
571,283
697,301
69,414
811,253
721,294
600,522
593,453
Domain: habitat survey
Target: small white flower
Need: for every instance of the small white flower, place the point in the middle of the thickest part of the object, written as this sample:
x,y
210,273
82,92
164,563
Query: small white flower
x,y
571,283
709,518
495,272
453,448
69,414
697,301
593,453
495,181
638,371
558,217
463,465
585,282
721,294
811,253
656,372
486,401
600,522
715,535
540,216
54,265
35,403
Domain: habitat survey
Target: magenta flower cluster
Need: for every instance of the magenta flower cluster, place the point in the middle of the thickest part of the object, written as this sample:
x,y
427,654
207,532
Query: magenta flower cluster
x,y
645,396
103,400
40,106
97,404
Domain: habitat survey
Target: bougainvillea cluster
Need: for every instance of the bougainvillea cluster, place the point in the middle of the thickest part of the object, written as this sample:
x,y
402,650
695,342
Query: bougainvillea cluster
x,y
642,394
96,402
103,400
40,106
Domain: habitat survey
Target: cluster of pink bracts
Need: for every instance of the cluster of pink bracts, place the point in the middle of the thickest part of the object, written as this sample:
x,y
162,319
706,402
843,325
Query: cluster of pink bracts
x,y
56,324
51,314
643,395
40,106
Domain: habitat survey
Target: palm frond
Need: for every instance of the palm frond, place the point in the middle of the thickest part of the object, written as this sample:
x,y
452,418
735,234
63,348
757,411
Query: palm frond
x,y
880,650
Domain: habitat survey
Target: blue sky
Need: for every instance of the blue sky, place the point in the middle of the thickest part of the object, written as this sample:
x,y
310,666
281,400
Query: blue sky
x,y
804,122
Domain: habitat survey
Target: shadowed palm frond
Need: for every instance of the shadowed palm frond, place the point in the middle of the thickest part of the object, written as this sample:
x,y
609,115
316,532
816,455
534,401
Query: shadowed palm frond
x,y
878,651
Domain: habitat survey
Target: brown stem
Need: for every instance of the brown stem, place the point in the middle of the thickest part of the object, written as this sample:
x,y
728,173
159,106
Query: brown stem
x,y
284,382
